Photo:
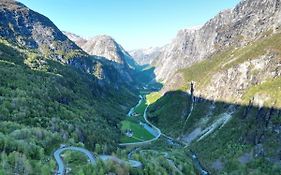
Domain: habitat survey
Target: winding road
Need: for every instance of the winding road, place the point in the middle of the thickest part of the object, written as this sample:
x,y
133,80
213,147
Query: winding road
x,y
198,166
133,163
91,158
57,154
149,127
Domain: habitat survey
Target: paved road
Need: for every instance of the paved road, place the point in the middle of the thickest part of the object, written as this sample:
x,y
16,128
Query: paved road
x,y
132,163
195,160
150,128
130,113
61,167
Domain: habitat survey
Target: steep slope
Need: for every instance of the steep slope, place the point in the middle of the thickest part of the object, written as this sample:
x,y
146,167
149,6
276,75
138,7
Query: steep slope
x,y
234,121
44,103
106,47
32,30
108,51
145,56
228,138
248,21
75,38
52,92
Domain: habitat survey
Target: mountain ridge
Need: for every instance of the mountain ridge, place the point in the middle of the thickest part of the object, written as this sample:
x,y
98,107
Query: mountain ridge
x,y
236,27
104,46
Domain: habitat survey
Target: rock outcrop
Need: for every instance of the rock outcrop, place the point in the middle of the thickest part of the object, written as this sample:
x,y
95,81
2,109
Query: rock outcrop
x,y
248,21
106,47
146,56
230,85
31,30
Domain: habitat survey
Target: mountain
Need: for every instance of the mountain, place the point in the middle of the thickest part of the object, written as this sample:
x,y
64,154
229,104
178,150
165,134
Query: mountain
x,y
106,47
145,56
248,21
75,38
107,50
224,81
52,92
32,30
221,95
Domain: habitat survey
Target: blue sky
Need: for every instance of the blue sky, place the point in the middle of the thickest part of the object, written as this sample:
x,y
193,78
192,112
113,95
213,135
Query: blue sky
x,y
133,23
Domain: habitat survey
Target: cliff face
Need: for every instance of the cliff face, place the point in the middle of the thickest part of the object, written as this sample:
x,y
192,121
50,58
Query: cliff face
x,y
146,56
248,21
231,84
234,62
106,47
32,30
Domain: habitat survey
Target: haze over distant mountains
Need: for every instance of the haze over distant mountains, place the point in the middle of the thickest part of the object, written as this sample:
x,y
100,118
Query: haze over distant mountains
x,y
104,46
221,95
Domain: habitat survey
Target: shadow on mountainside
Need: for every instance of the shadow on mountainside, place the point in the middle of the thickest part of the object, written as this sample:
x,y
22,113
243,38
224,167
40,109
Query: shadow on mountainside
x,y
142,77
227,137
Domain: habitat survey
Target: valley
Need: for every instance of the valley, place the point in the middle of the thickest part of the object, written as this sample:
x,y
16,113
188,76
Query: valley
x,y
208,102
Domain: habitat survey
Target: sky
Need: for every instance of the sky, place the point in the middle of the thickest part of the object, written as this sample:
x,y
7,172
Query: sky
x,y
134,24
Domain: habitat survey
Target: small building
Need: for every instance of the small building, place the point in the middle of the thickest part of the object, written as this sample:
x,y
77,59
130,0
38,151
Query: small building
x,y
129,133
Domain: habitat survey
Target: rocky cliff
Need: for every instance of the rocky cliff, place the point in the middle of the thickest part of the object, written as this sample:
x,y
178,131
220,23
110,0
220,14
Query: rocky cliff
x,y
233,120
32,30
75,38
106,47
27,29
248,21
146,56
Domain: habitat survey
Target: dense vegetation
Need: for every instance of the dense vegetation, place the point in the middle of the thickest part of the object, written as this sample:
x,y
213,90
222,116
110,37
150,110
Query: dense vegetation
x,y
202,72
170,112
162,157
252,150
159,158
249,142
44,103
224,151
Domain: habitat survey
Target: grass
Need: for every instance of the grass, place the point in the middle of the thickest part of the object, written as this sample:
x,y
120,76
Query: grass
x,y
125,139
152,97
141,108
140,134
202,72
269,90
169,112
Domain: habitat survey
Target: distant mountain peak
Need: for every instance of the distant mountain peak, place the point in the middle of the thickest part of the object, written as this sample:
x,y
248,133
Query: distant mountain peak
x,y
32,30
235,27
104,46
146,56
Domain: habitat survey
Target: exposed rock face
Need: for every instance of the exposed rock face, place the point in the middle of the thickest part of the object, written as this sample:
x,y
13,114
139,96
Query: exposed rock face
x,y
28,29
106,47
75,38
146,56
110,52
230,85
248,21
32,30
